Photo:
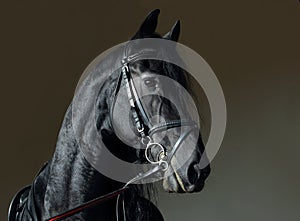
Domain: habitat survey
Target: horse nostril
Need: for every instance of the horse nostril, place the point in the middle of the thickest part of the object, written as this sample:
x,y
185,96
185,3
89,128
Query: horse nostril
x,y
205,172
193,174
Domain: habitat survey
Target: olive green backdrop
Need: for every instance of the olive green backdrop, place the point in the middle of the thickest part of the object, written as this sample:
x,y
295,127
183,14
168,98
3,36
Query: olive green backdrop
x,y
253,47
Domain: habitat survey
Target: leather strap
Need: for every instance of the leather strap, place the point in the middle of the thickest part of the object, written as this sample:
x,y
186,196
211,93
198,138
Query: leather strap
x,y
88,204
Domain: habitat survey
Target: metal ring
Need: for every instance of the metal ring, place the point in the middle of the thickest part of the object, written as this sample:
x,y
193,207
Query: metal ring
x,y
149,145
141,129
164,165
146,140
125,67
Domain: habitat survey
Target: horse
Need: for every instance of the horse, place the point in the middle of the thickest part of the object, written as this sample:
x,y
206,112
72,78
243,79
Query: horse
x,y
68,187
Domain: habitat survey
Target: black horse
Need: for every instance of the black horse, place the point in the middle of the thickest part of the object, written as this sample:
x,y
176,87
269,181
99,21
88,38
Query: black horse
x,y
69,181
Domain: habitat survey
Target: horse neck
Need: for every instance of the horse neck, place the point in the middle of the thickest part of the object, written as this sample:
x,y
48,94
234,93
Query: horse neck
x,y
71,180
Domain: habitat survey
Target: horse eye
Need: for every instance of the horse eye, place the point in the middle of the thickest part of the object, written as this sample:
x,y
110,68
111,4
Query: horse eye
x,y
150,82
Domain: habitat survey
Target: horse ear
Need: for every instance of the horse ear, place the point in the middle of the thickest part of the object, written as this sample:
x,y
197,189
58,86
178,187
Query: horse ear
x,y
148,26
174,33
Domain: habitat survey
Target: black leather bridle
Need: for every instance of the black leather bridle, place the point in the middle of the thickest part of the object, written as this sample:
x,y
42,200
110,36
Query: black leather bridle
x,y
146,131
142,122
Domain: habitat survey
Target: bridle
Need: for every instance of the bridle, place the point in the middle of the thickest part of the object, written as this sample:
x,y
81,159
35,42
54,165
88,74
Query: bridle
x,y
142,122
145,131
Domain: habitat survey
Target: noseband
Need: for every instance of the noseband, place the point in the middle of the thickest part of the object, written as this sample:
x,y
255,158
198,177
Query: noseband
x,y
145,131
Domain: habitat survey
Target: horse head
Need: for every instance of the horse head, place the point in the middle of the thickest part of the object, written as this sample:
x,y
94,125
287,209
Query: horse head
x,y
163,125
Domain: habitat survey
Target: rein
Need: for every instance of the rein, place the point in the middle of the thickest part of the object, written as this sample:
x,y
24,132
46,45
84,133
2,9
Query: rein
x,y
89,204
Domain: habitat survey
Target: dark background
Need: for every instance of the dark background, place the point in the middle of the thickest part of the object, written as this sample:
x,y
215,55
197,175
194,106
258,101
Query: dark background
x,y
253,47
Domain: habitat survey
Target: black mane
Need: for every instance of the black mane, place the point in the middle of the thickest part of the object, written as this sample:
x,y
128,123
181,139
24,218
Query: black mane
x,y
69,179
